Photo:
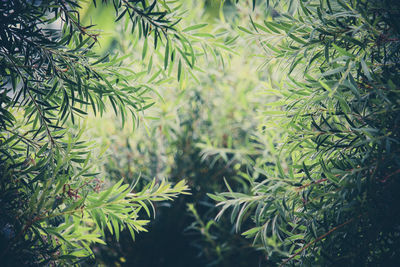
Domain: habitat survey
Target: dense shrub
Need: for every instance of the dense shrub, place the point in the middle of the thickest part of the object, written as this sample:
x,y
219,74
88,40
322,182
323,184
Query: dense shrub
x,y
54,200
332,197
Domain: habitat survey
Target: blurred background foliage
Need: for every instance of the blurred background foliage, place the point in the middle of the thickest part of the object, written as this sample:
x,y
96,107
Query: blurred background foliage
x,y
205,130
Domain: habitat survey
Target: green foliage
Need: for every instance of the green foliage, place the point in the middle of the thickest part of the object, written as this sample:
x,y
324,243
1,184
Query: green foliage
x,y
204,134
53,198
295,115
331,197
186,123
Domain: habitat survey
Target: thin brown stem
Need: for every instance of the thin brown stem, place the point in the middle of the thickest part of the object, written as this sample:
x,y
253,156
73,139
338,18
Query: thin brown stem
x,y
317,240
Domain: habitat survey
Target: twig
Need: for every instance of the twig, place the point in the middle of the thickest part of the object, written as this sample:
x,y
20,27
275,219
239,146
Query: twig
x,y
142,14
314,182
389,175
52,141
317,240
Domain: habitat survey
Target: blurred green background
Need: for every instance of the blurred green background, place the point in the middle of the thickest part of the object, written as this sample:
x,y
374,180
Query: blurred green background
x,y
206,132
